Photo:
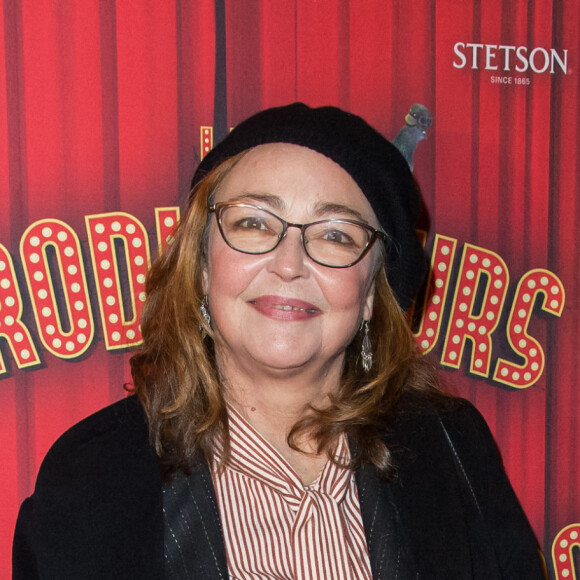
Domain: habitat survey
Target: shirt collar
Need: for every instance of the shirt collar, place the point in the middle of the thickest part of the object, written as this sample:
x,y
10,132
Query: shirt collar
x,y
253,456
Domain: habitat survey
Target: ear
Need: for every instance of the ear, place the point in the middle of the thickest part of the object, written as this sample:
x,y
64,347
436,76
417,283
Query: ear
x,y
368,303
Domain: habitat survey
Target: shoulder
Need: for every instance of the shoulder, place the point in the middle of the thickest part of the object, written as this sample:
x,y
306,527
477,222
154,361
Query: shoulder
x,y
124,415
436,434
116,436
97,485
445,451
420,412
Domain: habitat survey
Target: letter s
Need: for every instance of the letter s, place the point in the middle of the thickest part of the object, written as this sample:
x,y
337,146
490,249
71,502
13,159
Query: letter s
x,y
457,50
521,54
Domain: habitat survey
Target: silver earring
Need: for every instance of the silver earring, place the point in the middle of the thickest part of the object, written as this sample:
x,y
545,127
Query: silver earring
x,y
204,308
366,352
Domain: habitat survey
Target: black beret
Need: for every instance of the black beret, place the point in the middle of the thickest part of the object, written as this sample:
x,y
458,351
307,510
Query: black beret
x,y
374,163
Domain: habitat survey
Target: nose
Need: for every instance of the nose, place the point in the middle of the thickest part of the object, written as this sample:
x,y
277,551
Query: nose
x,y
289,259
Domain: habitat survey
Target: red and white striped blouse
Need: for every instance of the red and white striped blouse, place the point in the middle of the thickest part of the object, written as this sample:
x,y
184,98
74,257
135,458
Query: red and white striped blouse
x,y
275,527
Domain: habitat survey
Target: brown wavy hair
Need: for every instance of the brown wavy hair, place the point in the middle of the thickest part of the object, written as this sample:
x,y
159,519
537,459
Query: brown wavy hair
x,y
177,381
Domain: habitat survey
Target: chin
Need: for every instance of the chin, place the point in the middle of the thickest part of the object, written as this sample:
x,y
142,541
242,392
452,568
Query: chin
x,y
283,361
292,357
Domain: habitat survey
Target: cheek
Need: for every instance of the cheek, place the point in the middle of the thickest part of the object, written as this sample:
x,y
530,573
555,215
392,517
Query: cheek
x,y
221,273
346,298
228,272
215,273
347,293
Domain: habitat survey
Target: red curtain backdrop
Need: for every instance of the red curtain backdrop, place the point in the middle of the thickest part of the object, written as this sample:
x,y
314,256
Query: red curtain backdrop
x,y
101,107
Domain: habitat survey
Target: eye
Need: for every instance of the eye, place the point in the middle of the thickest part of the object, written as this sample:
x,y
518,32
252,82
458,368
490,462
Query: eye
x,y
251,223
337,237
245,223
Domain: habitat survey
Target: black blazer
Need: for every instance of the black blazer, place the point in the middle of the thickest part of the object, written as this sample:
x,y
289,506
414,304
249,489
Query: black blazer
x,y
450,513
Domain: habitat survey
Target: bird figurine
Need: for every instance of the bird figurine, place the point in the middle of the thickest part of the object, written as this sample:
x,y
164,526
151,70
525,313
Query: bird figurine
x,y
417,121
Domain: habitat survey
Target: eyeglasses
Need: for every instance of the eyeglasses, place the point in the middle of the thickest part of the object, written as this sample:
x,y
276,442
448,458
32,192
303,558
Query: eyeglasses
x,y
336,243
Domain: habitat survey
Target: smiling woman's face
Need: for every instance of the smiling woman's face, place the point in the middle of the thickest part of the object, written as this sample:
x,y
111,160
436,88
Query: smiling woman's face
x,y
281,310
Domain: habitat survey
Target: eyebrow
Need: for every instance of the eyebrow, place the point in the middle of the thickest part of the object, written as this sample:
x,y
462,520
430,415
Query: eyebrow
x,y
325,208
267,198
321,209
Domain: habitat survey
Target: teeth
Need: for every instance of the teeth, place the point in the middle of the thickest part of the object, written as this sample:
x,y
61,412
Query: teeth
x,y
287,307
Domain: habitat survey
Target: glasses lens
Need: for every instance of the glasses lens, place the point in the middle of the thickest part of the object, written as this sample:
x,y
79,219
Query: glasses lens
x,y
250,229
336,242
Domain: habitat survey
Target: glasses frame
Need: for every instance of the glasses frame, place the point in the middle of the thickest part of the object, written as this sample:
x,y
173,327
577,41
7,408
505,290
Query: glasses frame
x,y
375,234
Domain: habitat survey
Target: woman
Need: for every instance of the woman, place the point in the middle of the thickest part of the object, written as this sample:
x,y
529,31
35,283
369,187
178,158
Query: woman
x,y
284,424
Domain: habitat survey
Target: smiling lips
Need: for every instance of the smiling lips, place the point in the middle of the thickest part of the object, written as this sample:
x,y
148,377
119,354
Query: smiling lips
x,y
281,308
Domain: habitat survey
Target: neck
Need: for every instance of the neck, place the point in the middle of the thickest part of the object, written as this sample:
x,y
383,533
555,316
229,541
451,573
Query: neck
x,y
278,399
272,401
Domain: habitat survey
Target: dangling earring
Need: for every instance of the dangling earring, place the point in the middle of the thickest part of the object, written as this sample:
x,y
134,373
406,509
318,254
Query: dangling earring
x,y
204,308
366,352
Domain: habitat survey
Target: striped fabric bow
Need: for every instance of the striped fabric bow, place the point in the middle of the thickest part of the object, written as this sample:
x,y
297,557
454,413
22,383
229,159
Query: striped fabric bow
x,y
275,527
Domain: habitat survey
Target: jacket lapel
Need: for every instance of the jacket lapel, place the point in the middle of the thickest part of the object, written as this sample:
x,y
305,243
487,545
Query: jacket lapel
x,y
194,544
388,550
431,501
